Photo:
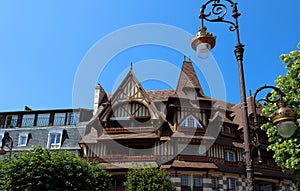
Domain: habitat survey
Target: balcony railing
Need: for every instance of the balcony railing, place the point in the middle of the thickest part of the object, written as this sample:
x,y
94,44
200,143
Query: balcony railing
x,y
126,158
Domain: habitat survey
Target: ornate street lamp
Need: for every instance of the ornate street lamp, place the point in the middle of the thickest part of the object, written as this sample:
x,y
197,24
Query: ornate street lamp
x,y
203,41
6,142
284,118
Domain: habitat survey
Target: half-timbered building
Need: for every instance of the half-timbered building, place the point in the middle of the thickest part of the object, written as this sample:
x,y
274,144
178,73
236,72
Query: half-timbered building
x,y
196,138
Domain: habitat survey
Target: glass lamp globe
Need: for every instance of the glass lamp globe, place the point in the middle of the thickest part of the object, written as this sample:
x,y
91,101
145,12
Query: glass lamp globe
x,y
203,50
286,128
284,119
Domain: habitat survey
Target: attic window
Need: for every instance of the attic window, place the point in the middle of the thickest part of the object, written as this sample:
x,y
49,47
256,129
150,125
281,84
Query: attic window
x,y
191,121
55,139
23,139
1,137
226,129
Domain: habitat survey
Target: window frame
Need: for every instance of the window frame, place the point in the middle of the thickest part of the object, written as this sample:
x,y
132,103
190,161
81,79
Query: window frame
x,y
13,121
20,136
28,120
1,137
196,123
227,156
55,144
231,184
200,180
73,118
187,181
214,185
43,120
59,119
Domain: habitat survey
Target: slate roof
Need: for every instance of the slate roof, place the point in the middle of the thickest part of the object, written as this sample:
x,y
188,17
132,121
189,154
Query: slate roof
x,y
39,136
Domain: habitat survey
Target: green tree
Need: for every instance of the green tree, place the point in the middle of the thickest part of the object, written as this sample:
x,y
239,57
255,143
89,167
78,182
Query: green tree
x,y
41,169
149,179
287,150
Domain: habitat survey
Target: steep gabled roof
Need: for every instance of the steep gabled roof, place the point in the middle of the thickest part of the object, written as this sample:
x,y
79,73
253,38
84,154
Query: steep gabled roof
x,y
188,79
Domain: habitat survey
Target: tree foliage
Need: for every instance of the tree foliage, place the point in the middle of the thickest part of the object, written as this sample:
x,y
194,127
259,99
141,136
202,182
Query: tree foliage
x,y
148,179
287,150
41,169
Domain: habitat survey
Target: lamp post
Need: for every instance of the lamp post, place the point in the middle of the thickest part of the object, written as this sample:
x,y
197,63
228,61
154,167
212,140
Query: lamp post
x,y
6,142
284,118
203,41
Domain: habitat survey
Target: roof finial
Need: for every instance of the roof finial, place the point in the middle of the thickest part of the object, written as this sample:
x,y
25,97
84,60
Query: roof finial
x,y
250,91
131,66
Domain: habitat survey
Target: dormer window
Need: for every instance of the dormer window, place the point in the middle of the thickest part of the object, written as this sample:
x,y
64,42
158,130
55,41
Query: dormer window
x,y
191,121
1,137
55,139
226,129
23,139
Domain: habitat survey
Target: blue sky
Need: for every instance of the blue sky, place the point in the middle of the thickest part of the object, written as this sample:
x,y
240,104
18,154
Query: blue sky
x,y
43,44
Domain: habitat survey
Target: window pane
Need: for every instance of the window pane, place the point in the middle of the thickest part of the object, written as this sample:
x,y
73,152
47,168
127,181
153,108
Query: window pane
x,y
23,140
11,121
43,120
190,122
230,184
197,181
73,118
214,183
184,180
59,119
1,136
57,138
28,120
52,138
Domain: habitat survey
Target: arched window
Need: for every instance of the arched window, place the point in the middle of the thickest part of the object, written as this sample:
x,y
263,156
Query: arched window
x,y
191,121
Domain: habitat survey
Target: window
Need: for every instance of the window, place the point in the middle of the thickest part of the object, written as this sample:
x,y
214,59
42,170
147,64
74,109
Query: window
x,y
197,182
184,181
73,118
214,183
1,137
43,120
226,129
229,156
28,120
191,121
54,139
11,121
230,184
59,119
23,138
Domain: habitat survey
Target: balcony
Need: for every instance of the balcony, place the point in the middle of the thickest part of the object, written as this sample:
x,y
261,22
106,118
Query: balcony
x,y
126,158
